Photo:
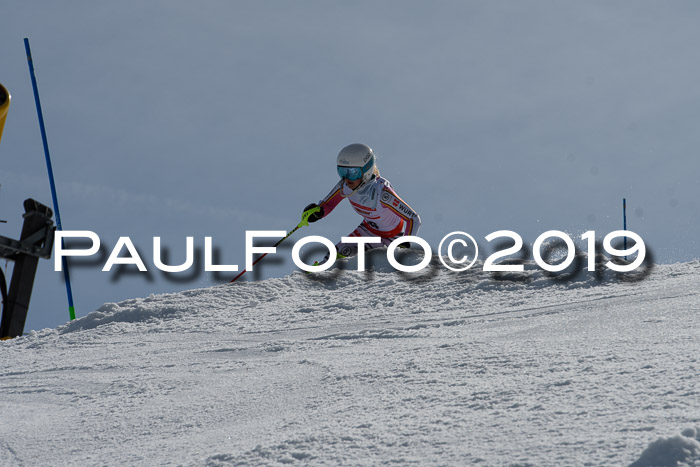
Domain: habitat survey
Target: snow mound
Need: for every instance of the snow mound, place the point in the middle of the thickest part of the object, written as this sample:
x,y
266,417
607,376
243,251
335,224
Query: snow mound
x,y
532,275
377,367
680,450
343,288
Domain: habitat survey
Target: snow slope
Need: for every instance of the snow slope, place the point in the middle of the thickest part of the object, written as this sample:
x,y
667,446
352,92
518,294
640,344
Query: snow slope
x,y
367,368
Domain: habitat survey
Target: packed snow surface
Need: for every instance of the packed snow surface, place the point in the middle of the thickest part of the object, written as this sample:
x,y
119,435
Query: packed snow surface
x,y
346,367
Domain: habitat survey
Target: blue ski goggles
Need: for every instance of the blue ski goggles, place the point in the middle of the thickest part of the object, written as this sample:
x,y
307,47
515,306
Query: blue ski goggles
x,y
354,173
350,173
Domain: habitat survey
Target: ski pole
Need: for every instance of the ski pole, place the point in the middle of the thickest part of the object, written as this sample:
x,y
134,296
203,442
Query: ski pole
x,y
304,222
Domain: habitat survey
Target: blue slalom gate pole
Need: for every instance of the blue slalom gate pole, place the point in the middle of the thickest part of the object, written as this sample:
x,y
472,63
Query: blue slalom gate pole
x,y
624,220
66,275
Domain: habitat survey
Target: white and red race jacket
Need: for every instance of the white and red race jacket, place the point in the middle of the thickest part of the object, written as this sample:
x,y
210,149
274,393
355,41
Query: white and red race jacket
x,y
385,213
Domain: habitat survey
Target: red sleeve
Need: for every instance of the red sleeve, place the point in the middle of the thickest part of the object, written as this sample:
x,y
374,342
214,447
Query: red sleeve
x,y
332,199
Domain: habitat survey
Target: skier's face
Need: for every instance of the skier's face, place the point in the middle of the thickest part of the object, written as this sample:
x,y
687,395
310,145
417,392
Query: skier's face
x,y
352,184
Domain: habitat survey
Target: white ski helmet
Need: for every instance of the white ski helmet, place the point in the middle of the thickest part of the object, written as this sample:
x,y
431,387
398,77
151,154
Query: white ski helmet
x,y
356,161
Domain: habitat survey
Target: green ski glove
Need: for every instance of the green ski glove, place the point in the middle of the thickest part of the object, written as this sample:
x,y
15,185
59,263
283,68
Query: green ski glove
x,y
312,213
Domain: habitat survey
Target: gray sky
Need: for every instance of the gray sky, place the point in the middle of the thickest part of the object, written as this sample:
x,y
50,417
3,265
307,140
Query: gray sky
x,y
211,118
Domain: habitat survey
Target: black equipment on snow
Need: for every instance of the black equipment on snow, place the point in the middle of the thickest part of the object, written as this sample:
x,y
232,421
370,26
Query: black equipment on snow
x,y
35,241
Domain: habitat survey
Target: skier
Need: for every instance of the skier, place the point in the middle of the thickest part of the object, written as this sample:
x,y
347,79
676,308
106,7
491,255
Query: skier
x,y
385,214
